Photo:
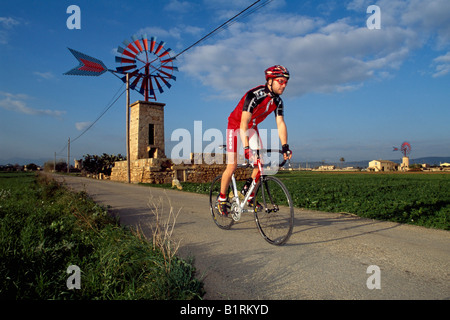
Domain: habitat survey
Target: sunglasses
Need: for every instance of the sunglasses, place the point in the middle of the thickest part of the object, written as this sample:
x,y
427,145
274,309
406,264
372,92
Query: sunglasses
x,y
281,81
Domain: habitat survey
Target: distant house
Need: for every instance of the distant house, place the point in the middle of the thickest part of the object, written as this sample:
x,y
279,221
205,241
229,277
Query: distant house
x,y
445,164
326,167
382,165
78,164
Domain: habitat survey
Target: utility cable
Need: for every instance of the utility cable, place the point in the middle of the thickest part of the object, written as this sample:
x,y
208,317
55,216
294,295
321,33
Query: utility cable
x,y
227,23
109,105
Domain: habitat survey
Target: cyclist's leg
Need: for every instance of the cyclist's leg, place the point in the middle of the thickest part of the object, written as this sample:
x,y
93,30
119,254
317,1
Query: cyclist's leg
x,y
255,143
231,159
229,170
226,176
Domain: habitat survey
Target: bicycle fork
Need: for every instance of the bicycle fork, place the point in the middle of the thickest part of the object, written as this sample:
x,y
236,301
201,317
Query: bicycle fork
x,y
275,206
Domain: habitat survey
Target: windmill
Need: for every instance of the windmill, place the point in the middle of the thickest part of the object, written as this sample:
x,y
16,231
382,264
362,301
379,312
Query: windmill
x,y
406,150
147,63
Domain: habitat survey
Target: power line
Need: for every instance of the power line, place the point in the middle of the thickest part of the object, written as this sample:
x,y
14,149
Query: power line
x,y
98,118
109,105
229,22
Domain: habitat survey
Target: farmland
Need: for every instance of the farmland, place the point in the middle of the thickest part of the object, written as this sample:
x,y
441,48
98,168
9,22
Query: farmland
x,y
415,198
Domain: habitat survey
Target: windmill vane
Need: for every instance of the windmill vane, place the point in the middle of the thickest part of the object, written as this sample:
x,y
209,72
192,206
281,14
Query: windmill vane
x,y
88,66
405,148
148,64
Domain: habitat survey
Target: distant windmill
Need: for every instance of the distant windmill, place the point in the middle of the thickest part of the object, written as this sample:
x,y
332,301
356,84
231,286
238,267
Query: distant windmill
x,y
405,149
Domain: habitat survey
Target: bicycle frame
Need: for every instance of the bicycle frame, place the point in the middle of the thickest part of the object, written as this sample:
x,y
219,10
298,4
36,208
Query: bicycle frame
x,y
237,211
236,214
273,222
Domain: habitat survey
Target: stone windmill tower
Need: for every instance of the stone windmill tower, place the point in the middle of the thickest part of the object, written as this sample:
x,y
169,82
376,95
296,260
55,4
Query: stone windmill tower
x,y
147,130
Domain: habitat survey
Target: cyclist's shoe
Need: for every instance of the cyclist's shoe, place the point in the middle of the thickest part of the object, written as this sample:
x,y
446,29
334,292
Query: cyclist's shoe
x,y
258,206
246,186
222,206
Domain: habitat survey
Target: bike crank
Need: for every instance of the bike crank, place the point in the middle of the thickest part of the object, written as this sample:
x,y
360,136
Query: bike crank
x,y
235,211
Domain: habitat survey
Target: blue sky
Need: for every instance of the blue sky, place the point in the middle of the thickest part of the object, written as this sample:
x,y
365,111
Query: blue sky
x,y
354,92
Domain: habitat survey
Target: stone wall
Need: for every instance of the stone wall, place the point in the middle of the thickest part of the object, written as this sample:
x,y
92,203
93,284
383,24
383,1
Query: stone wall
x,y
144,170
206,173
164,171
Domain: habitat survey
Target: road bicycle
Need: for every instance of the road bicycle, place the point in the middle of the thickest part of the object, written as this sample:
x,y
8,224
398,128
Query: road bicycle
x,y
271,204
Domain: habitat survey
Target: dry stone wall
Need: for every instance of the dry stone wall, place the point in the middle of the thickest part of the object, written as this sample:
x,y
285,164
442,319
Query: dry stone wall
x,y
164,171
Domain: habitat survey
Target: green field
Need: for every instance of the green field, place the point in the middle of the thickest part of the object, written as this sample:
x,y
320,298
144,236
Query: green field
x,y
415,198
44,229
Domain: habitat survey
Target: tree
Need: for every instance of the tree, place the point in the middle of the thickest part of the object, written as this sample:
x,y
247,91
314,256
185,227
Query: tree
x,y
31,167
342,160
100,164
61,166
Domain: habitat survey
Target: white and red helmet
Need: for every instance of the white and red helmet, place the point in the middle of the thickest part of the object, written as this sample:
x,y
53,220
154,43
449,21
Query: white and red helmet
x,y
277,71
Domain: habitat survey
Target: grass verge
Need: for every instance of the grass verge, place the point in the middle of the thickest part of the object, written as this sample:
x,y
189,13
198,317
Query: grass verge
x,y
44,229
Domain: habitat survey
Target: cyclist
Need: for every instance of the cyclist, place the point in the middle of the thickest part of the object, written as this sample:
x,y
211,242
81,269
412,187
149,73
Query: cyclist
x,y
251,110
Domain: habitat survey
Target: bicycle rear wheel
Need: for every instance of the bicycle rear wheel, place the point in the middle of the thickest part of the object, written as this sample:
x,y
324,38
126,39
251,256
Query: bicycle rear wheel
x,y
221,221
275,220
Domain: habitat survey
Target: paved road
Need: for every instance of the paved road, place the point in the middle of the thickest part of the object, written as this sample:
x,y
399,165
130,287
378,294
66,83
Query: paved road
x,y
327,257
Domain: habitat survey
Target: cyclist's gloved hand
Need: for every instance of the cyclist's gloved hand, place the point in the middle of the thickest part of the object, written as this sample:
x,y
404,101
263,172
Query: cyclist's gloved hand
x,y
247,153
287,153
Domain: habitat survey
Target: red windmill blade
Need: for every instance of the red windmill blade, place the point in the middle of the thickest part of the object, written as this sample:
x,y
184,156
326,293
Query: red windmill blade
x,y
148,64
406,148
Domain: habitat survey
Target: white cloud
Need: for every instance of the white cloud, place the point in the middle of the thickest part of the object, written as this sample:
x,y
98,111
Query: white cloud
x,y
429,17
160,32
82,125
322,57
178,6
6,24
329,59
175,32
17,103
44,75
442,65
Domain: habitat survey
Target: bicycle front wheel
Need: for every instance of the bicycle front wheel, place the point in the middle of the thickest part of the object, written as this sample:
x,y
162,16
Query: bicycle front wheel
x,y
274,211
221,221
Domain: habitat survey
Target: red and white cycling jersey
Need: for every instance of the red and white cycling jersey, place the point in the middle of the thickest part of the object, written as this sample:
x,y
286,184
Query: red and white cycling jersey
x,y
260,102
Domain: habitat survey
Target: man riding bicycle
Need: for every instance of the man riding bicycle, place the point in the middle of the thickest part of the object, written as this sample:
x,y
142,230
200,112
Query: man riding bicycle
x,y
252,109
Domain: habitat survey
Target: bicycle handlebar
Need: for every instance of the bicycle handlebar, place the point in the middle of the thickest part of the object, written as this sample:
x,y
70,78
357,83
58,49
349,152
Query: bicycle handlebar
x,y
272,151
247,164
